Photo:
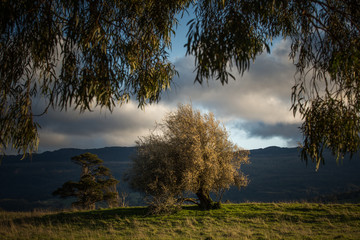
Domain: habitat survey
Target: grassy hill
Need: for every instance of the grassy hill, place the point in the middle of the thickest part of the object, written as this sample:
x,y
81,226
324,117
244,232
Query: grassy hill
x,y
233,221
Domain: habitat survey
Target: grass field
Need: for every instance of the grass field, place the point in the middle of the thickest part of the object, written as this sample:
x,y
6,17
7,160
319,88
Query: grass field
x,y
233,221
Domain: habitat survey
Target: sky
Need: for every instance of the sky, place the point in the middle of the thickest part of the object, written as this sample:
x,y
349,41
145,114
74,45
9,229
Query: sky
x,y
255,108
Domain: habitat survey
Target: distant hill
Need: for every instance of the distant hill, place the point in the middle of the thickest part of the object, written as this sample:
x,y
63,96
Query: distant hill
x,y
276,174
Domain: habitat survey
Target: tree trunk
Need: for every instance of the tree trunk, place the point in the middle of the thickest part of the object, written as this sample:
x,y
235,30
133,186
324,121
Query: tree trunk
x,y
206,202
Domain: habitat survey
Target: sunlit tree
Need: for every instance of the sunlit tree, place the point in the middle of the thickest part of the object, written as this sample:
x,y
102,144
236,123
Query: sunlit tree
x,y
96,184
192,153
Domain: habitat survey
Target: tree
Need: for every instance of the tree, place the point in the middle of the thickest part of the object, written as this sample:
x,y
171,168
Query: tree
x,y
96,183
325,48
79,53
191,154
82,54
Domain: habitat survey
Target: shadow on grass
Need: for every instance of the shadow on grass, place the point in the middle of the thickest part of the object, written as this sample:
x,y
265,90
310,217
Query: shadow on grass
x,y
96,218
79,218
245,212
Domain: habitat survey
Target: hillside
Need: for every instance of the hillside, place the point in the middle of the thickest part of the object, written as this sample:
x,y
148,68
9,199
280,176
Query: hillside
x,y
233,221
276,174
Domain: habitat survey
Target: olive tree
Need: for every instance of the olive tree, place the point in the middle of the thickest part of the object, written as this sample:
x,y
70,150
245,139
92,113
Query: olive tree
x,y
96,184
191,153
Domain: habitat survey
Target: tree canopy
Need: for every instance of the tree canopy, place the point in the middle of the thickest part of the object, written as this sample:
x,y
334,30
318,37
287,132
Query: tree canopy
x,y
81,54
325,48
87,53
96,183
190,153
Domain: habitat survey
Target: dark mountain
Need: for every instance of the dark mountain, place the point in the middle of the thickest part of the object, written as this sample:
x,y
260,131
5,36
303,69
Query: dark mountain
x,y
276,174
28,183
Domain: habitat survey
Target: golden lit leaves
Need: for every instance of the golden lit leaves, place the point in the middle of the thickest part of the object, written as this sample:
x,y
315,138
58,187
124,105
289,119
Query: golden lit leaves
x,y
191,154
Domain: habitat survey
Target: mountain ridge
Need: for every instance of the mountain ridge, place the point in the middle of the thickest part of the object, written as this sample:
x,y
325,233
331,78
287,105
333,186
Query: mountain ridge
x,y
275,173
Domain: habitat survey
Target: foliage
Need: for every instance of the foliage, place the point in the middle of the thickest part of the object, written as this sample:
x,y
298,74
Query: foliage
x,y
325,45
96,184
75,53
191,153
327,90
80,53
233,221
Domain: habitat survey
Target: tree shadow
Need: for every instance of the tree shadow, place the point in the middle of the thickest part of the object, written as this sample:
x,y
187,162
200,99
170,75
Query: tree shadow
x,y
80,218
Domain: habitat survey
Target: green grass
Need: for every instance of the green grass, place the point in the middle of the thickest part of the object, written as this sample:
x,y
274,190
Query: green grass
x,y
233,221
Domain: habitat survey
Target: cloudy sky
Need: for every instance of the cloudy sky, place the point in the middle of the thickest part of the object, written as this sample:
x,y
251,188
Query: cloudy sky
x,y
255,108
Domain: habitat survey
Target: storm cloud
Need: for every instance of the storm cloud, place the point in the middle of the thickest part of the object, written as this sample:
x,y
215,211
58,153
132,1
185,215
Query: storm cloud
x,y
289,132
99,128
262,94
254,108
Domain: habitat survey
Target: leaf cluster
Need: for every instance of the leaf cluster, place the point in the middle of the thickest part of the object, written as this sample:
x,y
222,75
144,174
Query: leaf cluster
x,y
325,49
325,42
227,33
80,54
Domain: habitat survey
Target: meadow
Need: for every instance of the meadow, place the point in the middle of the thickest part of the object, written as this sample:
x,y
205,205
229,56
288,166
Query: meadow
x,y
233,221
